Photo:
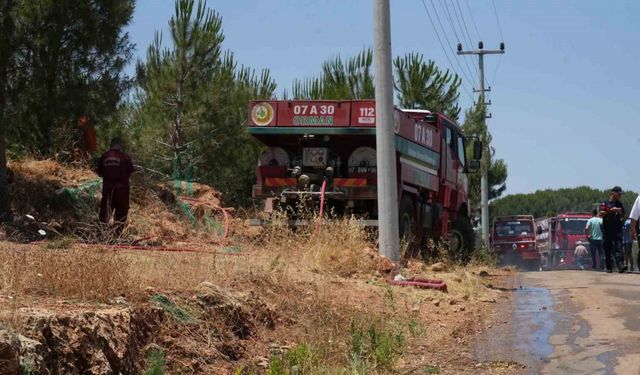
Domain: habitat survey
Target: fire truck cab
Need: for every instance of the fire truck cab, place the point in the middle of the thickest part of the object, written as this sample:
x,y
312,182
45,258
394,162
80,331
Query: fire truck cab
x,y
513,239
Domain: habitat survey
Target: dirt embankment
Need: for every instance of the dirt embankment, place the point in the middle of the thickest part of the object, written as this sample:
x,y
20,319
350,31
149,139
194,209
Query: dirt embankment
x,y
273,301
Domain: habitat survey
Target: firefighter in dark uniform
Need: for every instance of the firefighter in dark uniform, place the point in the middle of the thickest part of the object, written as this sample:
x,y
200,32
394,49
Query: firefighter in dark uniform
x,y
613,216
115,167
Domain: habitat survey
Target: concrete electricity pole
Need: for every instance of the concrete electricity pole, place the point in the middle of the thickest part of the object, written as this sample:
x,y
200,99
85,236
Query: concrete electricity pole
x,y
388,237
484,182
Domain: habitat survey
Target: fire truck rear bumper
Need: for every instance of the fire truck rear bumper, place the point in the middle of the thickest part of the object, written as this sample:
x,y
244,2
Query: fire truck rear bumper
x,y
530,255
359,193
522,254
297,223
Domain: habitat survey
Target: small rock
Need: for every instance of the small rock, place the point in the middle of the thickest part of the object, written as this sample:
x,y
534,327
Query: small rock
x,y
119,301
436,302
384,265
544,307
483,273
399,277
478,365
262,362
452,302
415,309
457,279
438,267
462,308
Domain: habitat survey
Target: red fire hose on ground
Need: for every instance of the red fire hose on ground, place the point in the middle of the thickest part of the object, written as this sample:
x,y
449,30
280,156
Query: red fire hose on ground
x,y
418,282
415,281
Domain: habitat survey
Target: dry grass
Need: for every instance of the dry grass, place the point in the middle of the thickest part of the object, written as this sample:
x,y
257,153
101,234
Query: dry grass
x,y
88,274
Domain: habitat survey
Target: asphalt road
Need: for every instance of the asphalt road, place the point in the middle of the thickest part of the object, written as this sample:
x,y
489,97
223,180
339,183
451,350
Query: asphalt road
x,y
568,322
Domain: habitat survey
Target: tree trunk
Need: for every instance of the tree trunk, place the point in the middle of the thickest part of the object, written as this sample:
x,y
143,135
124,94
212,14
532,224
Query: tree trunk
x,y
6,28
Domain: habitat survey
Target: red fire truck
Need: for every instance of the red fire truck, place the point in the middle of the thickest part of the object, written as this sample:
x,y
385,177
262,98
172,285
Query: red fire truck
x,y
513,239
558,238
311,144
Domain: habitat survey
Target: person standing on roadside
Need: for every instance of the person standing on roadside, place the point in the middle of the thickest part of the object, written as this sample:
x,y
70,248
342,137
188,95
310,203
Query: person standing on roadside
x,y
634,216
593,230
613,215
115,167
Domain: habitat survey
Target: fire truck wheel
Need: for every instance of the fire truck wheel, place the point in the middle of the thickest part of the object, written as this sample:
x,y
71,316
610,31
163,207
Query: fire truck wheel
x,y
461,238
407,217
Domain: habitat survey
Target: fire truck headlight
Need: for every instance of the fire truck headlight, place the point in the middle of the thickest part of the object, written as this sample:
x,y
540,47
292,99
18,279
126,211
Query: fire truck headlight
x,y
304,180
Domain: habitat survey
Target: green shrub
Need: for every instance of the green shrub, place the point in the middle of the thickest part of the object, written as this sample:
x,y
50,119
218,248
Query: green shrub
x,y
157,364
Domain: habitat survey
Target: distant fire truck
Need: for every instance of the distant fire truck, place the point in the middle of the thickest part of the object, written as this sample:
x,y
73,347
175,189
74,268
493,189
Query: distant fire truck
x,y
514,240
557,238
311,144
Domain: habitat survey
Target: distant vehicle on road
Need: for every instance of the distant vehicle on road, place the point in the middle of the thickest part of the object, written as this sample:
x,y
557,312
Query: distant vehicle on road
x,y
513,239
557,238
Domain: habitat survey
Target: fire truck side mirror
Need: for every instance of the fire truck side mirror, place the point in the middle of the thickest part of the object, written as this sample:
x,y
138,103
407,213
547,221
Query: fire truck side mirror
x,y
477,150
539,230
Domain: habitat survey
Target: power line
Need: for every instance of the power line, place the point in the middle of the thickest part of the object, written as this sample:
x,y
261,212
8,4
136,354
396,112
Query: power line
x,y
451,23
462,20
495,11
495,72
472,19
437,17
442,46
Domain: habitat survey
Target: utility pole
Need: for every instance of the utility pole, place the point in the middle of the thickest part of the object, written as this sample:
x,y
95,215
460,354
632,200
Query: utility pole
x,y
484,182
388,236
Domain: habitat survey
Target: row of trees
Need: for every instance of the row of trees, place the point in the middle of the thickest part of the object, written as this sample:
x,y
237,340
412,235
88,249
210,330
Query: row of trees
x,y
552,202
183,113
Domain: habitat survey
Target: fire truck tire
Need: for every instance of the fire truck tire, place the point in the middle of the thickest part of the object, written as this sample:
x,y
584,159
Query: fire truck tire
x,y
407,218
461,238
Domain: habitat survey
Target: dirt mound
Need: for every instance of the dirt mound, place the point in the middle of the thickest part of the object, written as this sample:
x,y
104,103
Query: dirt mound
x,y
212,330
51,200
241,312
107,341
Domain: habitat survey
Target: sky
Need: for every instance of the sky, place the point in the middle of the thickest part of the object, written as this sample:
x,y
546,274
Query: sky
x,y
565,95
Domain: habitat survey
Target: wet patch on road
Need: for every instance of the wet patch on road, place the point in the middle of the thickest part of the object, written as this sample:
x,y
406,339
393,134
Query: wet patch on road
x,y
574,352
524,332
534,323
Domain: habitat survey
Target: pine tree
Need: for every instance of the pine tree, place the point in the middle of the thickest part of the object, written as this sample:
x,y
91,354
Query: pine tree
x,y
69,60
6,58
497,168
418,83
188,113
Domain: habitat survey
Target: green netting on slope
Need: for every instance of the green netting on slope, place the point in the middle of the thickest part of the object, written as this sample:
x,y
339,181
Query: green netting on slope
x,y
184,188
78,195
